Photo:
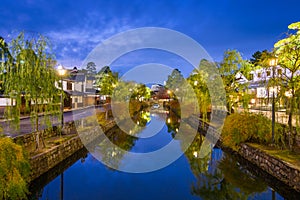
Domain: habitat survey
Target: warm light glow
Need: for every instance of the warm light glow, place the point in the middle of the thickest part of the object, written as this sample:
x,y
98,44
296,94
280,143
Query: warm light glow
x,y
61,70
288,94
195,153
273,62
169,92
252,101
195,83
169,120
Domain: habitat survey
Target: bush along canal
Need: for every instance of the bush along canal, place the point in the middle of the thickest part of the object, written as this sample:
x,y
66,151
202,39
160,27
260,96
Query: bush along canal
x,y
221,174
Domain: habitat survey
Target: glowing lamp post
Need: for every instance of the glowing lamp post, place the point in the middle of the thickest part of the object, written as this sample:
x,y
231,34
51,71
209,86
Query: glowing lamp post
x,y
61,72
273,63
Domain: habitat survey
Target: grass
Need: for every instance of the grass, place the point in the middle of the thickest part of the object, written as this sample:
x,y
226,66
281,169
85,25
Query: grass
x,y
292,157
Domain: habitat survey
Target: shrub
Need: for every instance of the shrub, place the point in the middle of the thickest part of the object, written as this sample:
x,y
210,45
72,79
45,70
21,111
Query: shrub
x,y
247,127
14,170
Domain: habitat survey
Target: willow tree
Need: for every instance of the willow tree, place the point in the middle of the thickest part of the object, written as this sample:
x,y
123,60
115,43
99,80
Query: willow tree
x,y
30,82
198,80
231,69
5,57
288,53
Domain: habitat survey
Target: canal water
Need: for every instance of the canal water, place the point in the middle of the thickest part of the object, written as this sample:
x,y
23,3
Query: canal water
x,y
218,175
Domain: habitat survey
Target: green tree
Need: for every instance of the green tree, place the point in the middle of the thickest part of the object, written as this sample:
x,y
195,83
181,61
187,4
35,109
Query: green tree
x,y
91,68
198,80
30,80
5,57
4,52
231,69
175,83
140,92
258,57
14,170
288,53
106,80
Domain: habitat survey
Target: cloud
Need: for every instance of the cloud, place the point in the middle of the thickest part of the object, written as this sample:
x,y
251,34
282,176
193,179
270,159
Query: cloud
x,y
77,41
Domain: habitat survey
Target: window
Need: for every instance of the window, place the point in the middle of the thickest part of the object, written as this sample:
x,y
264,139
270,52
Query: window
x,y
279,72
259,74
268,73
69,85
251,77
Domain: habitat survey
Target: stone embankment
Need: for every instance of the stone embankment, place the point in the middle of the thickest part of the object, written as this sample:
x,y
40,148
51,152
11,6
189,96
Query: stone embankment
x,y
43,162
281,170
49,158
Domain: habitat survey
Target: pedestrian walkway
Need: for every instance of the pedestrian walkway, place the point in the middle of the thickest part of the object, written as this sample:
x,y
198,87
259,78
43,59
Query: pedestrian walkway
x,y
26,124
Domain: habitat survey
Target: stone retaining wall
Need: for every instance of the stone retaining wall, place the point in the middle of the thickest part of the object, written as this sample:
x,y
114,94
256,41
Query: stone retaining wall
x,y
43,162
283,171
29,139
277,168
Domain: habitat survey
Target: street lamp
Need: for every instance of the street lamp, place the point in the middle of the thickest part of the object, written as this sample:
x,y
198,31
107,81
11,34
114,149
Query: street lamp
x,y
273,63
169,95
61,72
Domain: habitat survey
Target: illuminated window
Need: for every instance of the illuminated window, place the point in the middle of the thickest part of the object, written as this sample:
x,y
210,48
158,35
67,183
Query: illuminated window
x,y
251,77
259,74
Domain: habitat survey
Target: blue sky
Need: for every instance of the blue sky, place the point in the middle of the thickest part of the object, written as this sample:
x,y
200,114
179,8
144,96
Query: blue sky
x,y
76,27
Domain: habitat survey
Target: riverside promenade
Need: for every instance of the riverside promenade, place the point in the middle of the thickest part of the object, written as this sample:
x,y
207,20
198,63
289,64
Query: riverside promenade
x,y
26,126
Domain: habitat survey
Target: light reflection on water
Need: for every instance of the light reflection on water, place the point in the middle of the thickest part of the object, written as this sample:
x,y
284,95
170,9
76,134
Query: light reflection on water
x,y
217,176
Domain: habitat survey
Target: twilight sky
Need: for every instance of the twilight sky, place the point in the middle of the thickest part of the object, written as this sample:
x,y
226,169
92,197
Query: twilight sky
x,y
76,27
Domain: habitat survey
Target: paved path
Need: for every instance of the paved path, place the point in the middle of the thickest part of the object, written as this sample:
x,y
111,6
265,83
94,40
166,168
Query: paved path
x,y
26,126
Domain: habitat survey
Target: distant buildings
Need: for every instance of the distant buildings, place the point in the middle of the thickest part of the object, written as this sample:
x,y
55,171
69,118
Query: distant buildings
x,y
159,91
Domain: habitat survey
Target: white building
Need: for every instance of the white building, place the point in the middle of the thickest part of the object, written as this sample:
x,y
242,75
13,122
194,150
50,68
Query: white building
x,y
258,85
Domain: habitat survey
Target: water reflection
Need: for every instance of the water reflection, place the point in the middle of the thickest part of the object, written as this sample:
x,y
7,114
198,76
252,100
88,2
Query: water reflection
x,y
218,175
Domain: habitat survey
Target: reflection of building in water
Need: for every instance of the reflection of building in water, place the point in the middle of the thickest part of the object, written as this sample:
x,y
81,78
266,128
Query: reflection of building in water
x,y
159,91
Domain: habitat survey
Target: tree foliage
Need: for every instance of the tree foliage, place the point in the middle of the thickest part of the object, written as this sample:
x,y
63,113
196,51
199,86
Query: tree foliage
x,y
141,91
14,170
259,58
91,68
247,127
5,57
230,67
175,83
198,80
288,53
30,81
106,81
